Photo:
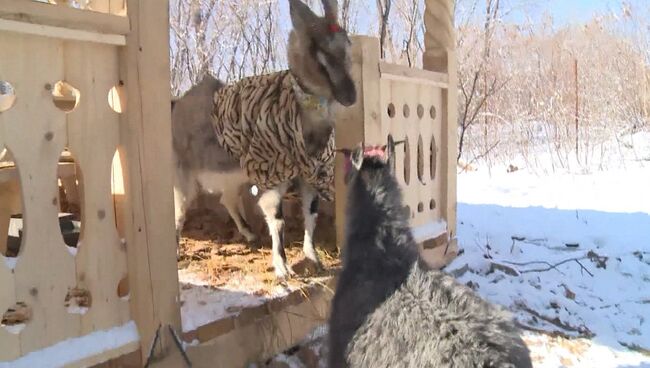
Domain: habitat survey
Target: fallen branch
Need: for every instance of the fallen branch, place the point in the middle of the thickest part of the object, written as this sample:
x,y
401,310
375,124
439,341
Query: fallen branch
x,y
550,266
583,331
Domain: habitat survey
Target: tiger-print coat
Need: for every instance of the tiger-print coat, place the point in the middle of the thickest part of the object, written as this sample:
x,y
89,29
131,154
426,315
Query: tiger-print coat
x,y
258,121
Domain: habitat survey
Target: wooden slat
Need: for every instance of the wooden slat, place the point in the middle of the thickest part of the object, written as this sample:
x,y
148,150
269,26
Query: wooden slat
x,y
349,121
60,32
439,56
147,160
93,135
406,74
35,134
62,16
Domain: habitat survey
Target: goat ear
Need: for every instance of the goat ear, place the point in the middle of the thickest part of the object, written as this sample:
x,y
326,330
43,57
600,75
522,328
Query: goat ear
x,y
302,18
357,157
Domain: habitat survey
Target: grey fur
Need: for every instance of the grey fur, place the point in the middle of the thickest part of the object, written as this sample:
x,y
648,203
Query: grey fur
x,y
388,311
200,162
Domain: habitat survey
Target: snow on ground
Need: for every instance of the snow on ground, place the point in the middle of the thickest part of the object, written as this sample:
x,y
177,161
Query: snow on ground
x,y
568,253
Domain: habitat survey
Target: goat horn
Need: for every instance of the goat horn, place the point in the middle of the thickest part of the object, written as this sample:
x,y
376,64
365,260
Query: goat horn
x,y
331,8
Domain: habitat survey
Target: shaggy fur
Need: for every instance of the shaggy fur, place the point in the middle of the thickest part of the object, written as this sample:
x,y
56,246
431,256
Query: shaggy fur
x,y
389,311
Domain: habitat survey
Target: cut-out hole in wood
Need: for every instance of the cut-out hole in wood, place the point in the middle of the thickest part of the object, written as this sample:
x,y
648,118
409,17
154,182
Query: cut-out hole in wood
x,y
16,317
69,202
432,204
392,168
391,110
77,301
123,288
420,159
406,110
115,98
420,207
420,111
11,208
432,112
7,96
433,157
117,190
407,161
64,96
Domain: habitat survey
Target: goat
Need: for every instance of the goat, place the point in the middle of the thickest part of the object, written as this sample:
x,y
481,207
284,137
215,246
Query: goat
x,y
199,159
388,310
277,130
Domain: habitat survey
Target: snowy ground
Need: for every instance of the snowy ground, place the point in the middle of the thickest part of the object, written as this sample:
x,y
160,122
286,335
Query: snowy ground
x,y
569,254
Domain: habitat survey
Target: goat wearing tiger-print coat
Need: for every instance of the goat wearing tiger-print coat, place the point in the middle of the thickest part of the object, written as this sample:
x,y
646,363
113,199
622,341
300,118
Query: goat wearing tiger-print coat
x,y
280,127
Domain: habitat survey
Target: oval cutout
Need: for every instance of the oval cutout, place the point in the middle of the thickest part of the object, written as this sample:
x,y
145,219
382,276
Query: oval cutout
x,y
433,157
65,96
11,210
123,289
77,301
116,98
432,112
392,166
407,161
7,96
118,192
432,204
16,317
420,111
420,207
391,110
420,159
406,110
70,201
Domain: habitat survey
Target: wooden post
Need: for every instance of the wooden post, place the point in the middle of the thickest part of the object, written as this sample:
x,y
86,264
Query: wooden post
x,y
440,56
147,158
577,107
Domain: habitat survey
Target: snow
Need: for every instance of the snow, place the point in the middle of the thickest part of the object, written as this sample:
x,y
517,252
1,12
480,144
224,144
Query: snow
x,y
524,223
429,230
73,350
202,304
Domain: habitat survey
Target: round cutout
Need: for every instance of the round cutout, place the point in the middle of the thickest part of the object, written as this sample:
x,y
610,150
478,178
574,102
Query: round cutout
x,y
432,112
7,96
406,110
65,96
123,288
420,111
16,317
391,110
420,207
432,204
115,98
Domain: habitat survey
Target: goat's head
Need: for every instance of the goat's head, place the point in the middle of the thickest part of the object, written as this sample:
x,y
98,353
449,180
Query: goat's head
x,y
372,162
319,52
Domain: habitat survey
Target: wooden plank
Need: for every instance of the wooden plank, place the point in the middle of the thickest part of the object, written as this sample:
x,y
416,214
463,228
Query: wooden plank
x,y
60,32
35,134
93,136
63,16
95,360
350,122
406,74
146,156
439,56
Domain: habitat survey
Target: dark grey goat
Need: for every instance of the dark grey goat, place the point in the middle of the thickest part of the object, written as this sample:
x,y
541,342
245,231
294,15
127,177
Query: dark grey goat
x,y
388,310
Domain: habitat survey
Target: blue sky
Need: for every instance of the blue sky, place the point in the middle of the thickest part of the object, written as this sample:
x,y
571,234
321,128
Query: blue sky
x,y
563,11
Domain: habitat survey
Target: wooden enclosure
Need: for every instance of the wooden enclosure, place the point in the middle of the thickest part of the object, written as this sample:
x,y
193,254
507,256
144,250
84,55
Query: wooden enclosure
x,y
119,282
83,118
417,107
